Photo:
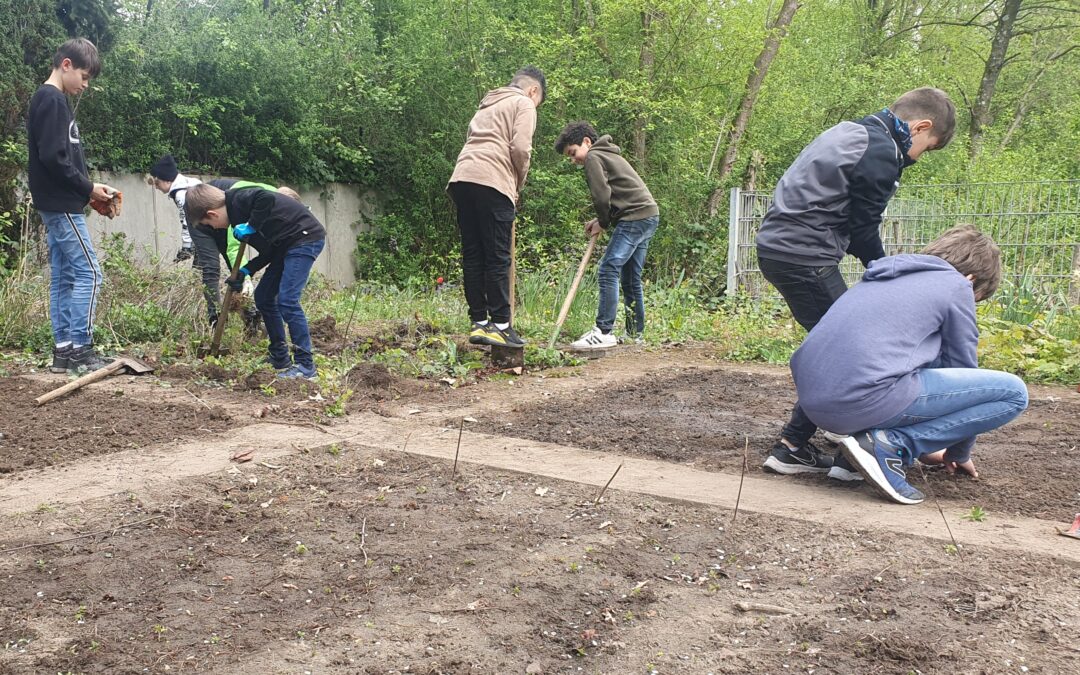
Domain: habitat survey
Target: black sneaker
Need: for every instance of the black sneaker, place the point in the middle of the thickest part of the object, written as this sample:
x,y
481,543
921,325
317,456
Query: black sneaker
x,y
807,459
84,360
478,333
842,470
511,337
493,336
60,359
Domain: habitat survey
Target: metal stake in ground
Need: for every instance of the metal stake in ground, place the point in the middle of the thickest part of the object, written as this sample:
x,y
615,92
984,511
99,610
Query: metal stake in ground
x,y
742,477
604,489
565,310
457,450
938,505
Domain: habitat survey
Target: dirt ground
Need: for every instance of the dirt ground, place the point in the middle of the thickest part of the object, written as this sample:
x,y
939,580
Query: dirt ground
x,y
346,560
90,423
705,416
338,557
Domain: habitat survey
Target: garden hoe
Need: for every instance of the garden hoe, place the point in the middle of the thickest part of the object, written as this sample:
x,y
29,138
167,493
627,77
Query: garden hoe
x,y
132,365
226,305
573,290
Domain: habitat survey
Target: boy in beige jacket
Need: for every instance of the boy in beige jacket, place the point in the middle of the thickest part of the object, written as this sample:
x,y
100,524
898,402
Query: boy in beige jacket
x,y
487,179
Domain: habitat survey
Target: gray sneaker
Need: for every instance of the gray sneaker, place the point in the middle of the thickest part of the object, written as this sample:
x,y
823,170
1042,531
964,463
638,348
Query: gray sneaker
x,y
60,359
85,360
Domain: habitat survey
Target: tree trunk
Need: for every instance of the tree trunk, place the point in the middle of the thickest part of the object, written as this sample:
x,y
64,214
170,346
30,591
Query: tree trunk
x,y
999,48
647,60
773,37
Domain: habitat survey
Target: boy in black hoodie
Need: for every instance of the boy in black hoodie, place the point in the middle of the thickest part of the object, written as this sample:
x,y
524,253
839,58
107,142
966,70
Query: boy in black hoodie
x,y
289,239
621,200
61,188
829,203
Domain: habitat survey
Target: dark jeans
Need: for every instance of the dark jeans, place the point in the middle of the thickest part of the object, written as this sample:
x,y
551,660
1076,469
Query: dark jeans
x,y
278,298
485,218
207,261
809,293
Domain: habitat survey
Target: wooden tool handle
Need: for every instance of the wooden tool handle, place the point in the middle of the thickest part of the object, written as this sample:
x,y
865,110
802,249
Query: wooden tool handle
x,y
226,303
99,374
573,289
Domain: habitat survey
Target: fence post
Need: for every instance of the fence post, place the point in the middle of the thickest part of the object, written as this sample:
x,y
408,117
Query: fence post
x,y
733,243
1074,279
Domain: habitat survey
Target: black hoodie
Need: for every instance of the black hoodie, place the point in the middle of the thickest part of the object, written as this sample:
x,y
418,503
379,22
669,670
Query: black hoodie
x,y
59,181
280,222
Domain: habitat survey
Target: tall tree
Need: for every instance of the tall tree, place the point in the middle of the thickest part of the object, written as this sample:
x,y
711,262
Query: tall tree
x,y
776,31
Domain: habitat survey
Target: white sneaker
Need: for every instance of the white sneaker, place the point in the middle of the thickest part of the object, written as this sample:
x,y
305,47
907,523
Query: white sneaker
x,y
594,339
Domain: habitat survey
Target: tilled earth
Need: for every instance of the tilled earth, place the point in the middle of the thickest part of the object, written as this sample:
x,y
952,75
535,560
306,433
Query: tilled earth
x,y
348,560
707,416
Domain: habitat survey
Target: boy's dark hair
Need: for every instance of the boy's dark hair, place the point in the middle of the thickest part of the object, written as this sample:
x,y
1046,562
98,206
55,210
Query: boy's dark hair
x,y
970,252
573,133
200,199
83,54
927,103
531,73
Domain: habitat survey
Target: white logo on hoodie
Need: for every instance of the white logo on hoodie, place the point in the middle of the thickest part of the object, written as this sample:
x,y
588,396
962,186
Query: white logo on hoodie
x,y
73,132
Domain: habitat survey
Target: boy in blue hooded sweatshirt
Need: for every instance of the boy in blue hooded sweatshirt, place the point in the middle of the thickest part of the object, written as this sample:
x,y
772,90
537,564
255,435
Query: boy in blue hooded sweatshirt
x,y
908,382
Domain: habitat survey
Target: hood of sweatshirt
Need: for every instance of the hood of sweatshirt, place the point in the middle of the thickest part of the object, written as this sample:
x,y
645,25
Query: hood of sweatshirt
x,y
894,266
182,182
496,95
604,144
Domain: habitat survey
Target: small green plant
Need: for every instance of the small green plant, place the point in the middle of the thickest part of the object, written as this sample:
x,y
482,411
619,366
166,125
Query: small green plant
x,y
301,549
395,569
515,591
80,614
267,389
40,564
950,549
975,514
574,568
334,450
159,630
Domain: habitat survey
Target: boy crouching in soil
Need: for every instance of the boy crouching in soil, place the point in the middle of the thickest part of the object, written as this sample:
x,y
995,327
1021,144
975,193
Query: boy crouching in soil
x,y
289,239
907,382
621,199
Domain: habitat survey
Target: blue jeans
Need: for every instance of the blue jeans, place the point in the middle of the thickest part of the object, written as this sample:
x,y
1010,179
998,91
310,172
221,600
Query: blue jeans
x,y
623,261
278,298
956,404
75,278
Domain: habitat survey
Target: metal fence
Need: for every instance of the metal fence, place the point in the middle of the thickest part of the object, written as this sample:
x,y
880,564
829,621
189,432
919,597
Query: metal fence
x,y
1036,224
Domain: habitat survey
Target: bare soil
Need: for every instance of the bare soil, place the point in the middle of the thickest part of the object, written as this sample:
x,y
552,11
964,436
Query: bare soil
x,y
344,559
706,416
355,561
90,422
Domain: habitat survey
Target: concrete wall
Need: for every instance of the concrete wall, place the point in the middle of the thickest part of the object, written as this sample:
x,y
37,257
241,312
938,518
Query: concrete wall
x,y
151,223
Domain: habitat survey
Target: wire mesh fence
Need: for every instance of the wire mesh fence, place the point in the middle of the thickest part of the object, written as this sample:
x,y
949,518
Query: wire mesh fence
x,y
1036,224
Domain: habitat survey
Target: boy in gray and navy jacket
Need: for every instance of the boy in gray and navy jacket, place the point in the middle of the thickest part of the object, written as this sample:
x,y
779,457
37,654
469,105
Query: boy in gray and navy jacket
x,y
829,203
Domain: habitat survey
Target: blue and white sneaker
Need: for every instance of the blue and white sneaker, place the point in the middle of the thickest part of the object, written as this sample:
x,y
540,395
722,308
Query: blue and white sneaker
x,y
880,462
296,371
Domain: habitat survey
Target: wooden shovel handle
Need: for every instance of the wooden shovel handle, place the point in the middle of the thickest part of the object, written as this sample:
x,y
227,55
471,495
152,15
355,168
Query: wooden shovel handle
x,y
223,315
573,289
99,374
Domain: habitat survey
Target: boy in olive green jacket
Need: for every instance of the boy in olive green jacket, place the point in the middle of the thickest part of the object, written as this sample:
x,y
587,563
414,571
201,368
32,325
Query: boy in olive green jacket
x,y
621,199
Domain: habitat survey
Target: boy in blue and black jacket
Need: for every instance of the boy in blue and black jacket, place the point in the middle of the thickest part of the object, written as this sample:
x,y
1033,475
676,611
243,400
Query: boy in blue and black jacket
x,y
894,363
828,204
61,188
289,238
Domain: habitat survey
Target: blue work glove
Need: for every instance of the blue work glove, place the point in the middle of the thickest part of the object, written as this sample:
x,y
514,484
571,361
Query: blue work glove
x,y
237,284
242,231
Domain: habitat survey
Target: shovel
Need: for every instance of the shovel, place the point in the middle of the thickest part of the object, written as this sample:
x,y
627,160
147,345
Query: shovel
x,y
219,328
131,364
573,290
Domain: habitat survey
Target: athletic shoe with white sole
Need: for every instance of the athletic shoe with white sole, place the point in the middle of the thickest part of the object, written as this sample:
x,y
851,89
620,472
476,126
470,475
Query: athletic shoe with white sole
x,y
881,464
594,339
807,459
